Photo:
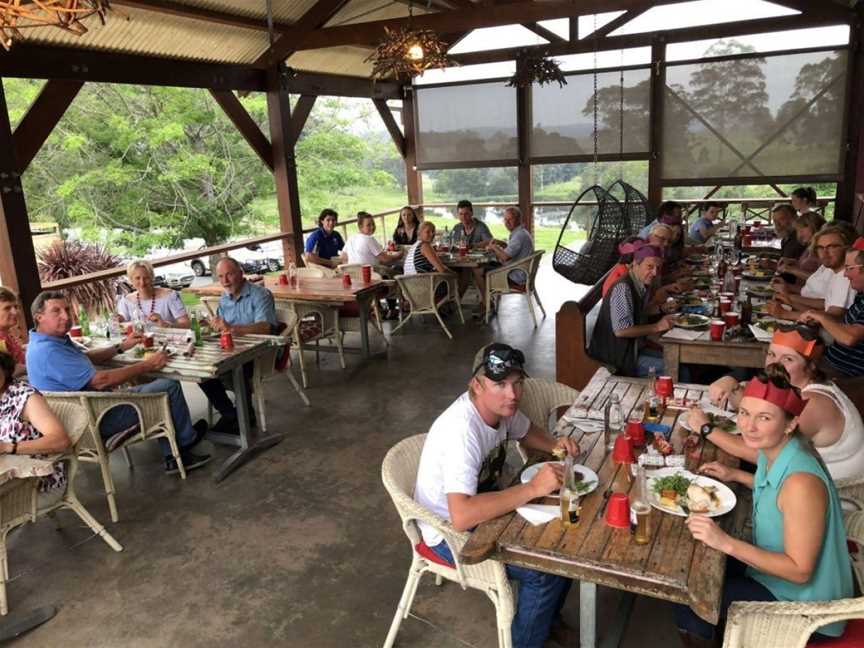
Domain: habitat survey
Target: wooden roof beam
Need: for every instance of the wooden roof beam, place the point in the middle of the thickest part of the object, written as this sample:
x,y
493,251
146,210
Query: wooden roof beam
x,y
390,124
206,15
289,41
41,118
620,21
244,123
724,30
543,32
368,33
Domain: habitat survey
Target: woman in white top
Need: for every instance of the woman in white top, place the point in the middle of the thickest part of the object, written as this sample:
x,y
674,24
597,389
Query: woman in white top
x,y
363,248
161,306
830,419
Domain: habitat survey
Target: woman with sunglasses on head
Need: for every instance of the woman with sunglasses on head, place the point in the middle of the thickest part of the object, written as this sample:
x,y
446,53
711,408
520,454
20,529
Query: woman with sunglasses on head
x,y
799,548
830,421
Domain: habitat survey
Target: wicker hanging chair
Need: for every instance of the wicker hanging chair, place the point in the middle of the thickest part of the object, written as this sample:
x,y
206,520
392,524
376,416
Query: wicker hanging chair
x,y
599,253
635,205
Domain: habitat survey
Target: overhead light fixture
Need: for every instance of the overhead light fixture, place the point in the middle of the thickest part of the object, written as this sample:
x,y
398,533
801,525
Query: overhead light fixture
x,y
533,66
68,15
406,52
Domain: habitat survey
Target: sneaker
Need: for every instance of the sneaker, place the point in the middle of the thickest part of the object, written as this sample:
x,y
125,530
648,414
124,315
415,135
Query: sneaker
x,y
190,462
226,425
201,429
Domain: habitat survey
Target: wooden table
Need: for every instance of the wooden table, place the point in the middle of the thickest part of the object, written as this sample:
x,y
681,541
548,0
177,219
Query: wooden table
x,y
328,291
208,362
469,261
705,351
672,566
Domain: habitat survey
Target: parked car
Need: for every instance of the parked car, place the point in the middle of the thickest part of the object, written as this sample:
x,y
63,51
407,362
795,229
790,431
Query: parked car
x,y
254,259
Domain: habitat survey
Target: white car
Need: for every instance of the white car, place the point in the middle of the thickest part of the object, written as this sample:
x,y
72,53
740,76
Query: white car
x,y
255,259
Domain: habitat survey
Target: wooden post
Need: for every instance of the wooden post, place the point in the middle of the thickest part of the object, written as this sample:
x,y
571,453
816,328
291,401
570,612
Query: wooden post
x,y
523,132
658,86
413,178
852,182
18,269
284,165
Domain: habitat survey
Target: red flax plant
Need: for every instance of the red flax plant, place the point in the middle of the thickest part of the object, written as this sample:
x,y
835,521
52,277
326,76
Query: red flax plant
x,y
64,259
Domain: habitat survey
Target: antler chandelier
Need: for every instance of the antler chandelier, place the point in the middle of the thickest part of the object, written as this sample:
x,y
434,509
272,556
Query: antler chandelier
x,y
534,66
63,14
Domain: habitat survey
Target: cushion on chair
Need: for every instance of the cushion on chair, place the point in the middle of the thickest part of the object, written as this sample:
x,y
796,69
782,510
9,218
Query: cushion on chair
x,y
349,310
853,637
310,328
426,551
516,287
117,440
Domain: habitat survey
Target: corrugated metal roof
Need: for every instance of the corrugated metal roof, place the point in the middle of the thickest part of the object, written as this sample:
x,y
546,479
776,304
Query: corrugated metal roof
x,y
286,11
333,60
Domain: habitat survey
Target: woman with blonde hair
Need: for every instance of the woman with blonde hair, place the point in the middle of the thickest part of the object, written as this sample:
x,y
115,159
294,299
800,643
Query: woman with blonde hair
x,y
9,341
161,306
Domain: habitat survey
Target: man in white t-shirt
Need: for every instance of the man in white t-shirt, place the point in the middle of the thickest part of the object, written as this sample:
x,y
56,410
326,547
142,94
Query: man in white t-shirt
x,y
827,289
459,470
364,248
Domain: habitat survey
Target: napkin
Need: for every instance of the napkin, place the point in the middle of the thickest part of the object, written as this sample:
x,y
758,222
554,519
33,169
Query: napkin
x,y
682,334
760,334
538,514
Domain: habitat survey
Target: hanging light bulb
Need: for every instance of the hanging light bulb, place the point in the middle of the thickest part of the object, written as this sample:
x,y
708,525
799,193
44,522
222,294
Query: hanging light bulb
x,y
415,52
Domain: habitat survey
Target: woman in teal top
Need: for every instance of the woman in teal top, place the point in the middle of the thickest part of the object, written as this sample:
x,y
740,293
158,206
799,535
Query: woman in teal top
x,y
799,551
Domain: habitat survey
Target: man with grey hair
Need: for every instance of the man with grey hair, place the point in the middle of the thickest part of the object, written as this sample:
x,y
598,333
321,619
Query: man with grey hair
x,y
55,363
244,308
518,246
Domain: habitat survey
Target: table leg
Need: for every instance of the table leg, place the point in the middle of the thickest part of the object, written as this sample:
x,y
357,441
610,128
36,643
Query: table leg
x,y
363,306
15,625
671,359
587,614
249,443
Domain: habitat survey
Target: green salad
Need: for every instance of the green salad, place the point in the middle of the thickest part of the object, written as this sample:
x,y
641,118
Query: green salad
x,y
677,483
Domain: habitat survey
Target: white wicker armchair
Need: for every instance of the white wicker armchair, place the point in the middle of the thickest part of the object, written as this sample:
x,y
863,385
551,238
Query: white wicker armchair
x,y
17,507
154,422
851,491
315,322
419,290
542,397
498,285
399,473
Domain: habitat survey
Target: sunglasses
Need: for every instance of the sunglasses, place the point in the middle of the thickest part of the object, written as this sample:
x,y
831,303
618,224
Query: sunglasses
x,y
805,331
778,381
500,362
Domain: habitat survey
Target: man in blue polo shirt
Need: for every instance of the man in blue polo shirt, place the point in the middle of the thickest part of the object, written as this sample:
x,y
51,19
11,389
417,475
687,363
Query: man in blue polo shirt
x,y
244,309
55,363
325,243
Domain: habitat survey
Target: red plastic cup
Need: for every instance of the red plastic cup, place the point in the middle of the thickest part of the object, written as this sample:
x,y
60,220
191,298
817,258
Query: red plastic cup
x,y
346,281
226,341
636,432
130,328
731,318
618,511
727,295
747,240
748,229
665,387
717,329
75,332
391,246
622,451
463,251
283,279
149,341
737,279
725,306
366,271
757,223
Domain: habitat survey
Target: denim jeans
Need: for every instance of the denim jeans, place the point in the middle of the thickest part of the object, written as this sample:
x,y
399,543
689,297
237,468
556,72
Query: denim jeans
x,y
123,416
652,358
737,587
541,597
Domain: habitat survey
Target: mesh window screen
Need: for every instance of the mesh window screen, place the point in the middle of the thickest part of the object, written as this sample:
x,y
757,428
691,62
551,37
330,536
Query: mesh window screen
x,y
563,118
466,123
778,115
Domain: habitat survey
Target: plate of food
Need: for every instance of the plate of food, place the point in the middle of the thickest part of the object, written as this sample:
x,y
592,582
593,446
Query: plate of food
x,y
764,292
692,321
586,479
140,352
767,324
680,492
697,258
725,421
757,274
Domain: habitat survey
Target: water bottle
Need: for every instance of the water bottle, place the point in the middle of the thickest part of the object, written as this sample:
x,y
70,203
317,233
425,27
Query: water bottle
x,y
84,322
729,281
292,275
613,417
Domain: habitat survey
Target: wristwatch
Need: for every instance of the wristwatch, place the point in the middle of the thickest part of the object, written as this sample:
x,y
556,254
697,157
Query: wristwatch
x,y
118,348
705,430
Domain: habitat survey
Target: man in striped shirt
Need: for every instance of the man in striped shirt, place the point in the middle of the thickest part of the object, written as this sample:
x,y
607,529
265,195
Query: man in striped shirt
x,y
846,355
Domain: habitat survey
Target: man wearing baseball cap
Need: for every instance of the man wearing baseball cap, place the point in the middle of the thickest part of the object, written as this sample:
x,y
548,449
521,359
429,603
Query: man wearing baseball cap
x,y
459,469
846,355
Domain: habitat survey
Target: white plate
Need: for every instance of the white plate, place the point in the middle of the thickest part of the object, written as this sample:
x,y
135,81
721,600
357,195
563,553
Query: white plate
x,y
589,475
708,408
727,497
83,341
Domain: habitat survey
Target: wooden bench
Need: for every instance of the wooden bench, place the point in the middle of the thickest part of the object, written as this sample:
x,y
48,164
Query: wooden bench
x,y
573,366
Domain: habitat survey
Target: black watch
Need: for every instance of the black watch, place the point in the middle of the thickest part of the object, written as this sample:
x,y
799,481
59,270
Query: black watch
x,y
118,348
705,430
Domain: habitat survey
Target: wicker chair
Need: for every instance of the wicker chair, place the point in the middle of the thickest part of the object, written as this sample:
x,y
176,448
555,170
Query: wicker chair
x,y
154,422
540,398
315,322
399,473
791,624
348,322
74,419
316,271
497,284
17,507
419,290
851,491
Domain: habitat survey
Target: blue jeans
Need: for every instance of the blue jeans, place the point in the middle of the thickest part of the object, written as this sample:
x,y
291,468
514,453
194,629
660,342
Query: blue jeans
x,y
648,358
737,587
123,416
541,597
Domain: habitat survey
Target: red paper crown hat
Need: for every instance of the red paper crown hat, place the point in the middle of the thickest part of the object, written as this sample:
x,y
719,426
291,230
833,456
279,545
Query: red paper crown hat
x,y
810,349
785,399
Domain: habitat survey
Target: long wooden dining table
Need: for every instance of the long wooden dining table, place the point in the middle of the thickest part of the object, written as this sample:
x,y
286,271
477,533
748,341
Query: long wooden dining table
x,y
209,361
329,291
672,566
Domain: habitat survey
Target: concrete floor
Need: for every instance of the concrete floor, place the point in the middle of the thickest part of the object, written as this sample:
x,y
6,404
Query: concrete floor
x,y
302,546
